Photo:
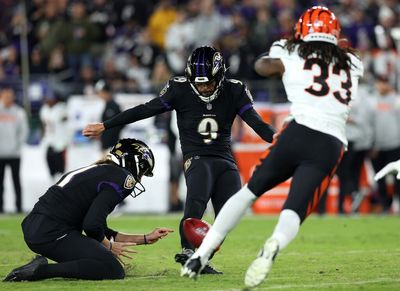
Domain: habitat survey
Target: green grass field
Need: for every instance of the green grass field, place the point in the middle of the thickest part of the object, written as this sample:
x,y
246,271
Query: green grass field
x,y
330,253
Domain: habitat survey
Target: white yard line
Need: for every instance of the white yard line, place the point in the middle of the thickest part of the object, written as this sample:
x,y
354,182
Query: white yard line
x,y
332,284
384,253
349,252
316,286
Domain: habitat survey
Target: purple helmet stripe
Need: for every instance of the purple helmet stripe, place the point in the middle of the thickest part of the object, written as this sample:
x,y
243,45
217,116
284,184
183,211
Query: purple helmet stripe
x,y
204,65
197,65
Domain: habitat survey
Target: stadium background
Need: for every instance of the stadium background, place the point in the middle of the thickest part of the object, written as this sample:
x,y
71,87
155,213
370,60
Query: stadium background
x,y
137,45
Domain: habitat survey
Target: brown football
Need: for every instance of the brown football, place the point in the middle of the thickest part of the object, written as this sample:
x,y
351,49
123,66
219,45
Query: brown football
x,y
195,230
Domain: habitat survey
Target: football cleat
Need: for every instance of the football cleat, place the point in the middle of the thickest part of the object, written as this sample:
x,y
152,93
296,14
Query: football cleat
x,y
184,256
192,268
26,272
261,266
209,270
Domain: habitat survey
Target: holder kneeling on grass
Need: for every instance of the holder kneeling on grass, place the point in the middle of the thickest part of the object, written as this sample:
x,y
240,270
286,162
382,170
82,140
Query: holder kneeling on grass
x,y
81,200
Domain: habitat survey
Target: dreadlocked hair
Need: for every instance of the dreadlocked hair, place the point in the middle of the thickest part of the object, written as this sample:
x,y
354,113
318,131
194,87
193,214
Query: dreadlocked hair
x,y
327,52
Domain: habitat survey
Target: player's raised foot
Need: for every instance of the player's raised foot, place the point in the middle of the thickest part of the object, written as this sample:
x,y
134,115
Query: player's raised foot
x,y
192,268
26,272
261,266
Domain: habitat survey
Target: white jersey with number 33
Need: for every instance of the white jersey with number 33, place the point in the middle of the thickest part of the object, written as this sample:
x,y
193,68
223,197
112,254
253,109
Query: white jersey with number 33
x,y
320,94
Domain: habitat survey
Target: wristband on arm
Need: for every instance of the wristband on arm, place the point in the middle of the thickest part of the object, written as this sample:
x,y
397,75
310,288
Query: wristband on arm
x,y
145,239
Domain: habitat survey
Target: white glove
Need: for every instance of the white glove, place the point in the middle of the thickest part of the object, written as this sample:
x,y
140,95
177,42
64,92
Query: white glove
x,y
393,167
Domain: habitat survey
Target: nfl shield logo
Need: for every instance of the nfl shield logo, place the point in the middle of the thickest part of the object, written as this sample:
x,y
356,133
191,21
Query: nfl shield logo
x,y
129,182
187,164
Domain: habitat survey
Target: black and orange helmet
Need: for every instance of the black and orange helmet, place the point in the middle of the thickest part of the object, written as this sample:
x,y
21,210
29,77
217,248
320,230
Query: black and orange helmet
x,y
318,23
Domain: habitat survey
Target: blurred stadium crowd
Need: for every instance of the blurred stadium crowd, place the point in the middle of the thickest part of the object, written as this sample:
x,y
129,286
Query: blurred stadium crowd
x,y
63,47
135,45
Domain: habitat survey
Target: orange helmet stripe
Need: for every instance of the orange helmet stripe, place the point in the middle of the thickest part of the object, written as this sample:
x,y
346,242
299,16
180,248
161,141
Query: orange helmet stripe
x,y
318,24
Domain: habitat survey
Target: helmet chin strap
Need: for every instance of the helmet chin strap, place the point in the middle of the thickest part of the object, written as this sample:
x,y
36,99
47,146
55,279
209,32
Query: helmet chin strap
x,y
210,98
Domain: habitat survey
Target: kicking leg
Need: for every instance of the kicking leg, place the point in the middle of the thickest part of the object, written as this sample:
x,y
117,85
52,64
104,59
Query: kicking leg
x,y
263,179
233,209
285,231
199,185
307,186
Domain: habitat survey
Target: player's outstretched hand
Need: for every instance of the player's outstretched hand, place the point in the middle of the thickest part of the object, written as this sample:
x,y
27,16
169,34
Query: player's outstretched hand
x,y
157,234
120,249
393,167
93,129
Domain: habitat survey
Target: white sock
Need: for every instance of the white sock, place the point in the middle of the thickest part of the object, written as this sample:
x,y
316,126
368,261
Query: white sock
x,y
287,228
227,219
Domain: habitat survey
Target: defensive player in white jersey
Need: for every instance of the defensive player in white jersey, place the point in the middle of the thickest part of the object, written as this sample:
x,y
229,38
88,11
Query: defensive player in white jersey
x,y
321,80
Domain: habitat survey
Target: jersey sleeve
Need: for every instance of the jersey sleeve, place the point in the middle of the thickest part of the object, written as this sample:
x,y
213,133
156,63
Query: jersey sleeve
x,y
111,110
277,50
357,66
254,120
94,224
168,95
143,111
110,233
110,193
244,98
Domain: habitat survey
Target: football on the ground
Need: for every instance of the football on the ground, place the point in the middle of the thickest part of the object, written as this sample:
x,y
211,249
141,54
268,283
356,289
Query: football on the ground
x,y
195,230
